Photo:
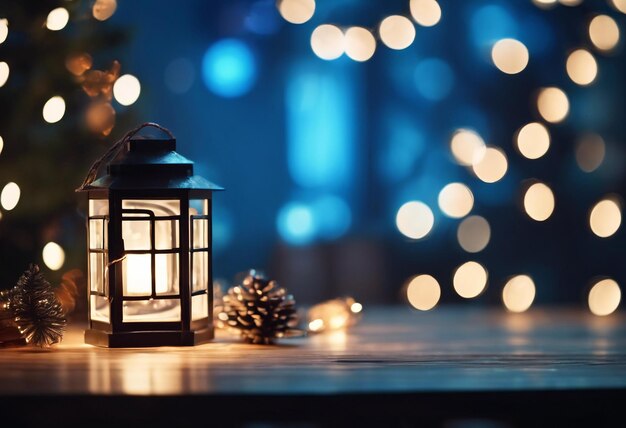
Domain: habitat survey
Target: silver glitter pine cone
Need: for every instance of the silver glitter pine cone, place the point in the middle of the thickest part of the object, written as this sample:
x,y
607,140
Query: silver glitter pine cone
x,y
261,310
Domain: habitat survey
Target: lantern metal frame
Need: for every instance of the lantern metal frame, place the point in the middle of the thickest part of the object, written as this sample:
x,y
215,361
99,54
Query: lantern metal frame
x,y
150,170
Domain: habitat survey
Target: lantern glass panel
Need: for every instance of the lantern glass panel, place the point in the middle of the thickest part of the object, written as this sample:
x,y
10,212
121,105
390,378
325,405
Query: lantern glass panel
x,y
154,310
98,207
166,234
136,235
160,207
97,272
200,272
137,274
200,233
166,274
198,207
199,307
100,309
97,234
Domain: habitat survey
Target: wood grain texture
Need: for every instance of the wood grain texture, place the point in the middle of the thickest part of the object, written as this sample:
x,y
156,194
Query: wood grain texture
x,y
450,355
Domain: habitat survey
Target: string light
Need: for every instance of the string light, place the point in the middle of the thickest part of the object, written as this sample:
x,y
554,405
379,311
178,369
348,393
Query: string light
x,y
327,42
397,32
552,104
470,279
54,109
604,297
10,196
57,19
425,12
492,166
126,89
456,200
4,30
533,140
4,73
581,67
296,11
359,44
415,219
605,217
510,56
53,256
539,202
423,292
335,314
604,32
518,293
474,234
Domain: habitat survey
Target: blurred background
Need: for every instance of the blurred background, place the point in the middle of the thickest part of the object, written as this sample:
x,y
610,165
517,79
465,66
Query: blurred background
x,y
402,151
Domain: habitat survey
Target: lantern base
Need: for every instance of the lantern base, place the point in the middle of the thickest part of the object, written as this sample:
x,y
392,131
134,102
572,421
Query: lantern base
x,y
142,339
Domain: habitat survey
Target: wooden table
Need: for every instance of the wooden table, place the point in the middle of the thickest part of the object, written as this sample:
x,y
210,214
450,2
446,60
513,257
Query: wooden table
x,y
397,367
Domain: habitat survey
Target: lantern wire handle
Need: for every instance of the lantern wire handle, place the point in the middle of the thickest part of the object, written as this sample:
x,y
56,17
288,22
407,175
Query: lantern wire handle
x,y
114,151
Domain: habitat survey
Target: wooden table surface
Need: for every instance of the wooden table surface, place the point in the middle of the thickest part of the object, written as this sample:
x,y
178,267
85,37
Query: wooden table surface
x,y
397,365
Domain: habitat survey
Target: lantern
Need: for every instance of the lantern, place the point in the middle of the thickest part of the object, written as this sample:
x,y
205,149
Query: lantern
x,y
149,248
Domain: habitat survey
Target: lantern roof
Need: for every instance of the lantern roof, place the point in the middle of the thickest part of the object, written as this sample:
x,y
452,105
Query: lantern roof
x,y
151,164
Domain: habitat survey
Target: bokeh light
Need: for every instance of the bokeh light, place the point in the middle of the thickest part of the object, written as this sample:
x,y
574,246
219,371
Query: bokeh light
x,y
539,202
295,223
604,32
604,297
510,56
296,11
423,292
327,42
581,67
4,30
10,196
456,200
434,78
425,12
467,146
473,234
552,104
4,73
415,219
104,9
518,293
590,152
54,109
533,140
360,44
57,19
492,166
605,217
470,279
53,256
1,144
229,68
570,3
397,32
126,89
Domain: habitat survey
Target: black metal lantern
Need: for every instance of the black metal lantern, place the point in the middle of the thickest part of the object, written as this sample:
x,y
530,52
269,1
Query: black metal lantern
x,y
149,248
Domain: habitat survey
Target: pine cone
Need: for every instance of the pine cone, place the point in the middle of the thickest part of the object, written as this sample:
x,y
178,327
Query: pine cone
x,y
38,314
261,310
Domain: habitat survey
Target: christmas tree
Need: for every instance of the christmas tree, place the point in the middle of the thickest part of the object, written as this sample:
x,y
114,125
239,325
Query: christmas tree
x,y
57,72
